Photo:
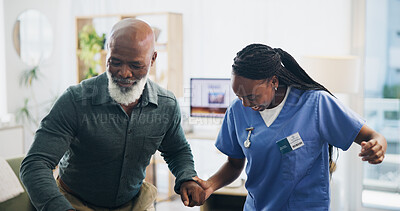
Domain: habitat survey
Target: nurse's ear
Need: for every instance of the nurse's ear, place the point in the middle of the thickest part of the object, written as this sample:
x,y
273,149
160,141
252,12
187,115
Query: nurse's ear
x,y
274,82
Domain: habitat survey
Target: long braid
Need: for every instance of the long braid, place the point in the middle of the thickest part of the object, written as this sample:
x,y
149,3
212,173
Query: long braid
x,y
258,61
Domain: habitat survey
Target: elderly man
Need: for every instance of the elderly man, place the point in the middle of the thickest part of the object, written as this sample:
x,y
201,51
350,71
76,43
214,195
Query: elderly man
x,y
103,132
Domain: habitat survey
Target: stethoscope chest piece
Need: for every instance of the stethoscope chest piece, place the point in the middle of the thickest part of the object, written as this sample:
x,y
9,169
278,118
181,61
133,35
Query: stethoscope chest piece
x,y
247,143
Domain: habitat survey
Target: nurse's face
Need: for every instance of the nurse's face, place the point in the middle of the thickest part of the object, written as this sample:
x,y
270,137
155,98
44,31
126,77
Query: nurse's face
x,y
257,94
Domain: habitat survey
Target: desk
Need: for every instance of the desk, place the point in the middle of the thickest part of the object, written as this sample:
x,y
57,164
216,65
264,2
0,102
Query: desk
x,y
226,199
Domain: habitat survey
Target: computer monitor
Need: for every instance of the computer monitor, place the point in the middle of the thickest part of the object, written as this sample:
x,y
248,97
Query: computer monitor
x,y
210,97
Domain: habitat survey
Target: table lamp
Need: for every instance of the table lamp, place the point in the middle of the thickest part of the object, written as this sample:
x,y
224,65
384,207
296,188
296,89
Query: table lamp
x,y
339,74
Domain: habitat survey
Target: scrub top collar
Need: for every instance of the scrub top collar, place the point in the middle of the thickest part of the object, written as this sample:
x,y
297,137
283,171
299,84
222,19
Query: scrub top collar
x,y
269,115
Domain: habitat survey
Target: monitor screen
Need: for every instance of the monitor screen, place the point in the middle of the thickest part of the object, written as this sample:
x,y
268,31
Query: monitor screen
x,y
210,97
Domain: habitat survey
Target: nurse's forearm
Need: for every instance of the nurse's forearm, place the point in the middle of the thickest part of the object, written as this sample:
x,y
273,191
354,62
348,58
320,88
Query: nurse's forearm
x,y
227,173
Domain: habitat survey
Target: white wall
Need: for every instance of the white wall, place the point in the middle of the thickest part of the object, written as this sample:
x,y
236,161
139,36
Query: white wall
x,y
57,72
215,30
3,97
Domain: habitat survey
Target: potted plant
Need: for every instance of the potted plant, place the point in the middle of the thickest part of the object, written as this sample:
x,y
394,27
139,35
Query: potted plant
x,y
90,44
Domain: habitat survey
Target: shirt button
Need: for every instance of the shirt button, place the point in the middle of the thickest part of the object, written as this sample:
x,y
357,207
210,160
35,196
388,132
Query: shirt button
x,y
130,131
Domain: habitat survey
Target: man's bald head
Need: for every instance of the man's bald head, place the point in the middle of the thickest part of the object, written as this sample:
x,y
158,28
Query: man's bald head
x,y
130,56
132,31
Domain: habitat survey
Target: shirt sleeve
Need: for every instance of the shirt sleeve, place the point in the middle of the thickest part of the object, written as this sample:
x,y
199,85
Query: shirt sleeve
x,y
227,141
338,124
176,151
51,141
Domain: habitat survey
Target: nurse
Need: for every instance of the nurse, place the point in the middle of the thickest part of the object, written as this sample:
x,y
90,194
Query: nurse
x,y
285,124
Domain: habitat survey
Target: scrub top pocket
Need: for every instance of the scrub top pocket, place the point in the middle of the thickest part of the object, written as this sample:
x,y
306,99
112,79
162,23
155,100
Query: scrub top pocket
x,y
293,163
288,165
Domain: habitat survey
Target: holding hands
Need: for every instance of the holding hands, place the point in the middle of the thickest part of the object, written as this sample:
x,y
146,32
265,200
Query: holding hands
x,y
206,185
195,193
192,194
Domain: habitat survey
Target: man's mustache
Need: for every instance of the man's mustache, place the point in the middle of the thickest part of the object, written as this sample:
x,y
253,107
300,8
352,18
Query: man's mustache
x,y
123,80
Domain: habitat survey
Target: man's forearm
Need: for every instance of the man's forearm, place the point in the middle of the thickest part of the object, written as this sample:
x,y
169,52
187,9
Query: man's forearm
x,y
181,165
38,179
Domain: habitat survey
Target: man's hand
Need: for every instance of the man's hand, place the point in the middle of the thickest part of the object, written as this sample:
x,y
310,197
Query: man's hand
x,y
206,185
372,151
192,194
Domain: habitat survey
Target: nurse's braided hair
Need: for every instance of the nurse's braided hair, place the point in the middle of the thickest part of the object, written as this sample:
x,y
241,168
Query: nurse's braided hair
x,y
258,61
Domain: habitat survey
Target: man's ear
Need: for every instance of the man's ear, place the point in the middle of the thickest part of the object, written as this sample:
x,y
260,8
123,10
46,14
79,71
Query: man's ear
x,y
153,58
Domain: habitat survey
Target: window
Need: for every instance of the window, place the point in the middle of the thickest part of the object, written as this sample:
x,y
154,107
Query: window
x,y
381,183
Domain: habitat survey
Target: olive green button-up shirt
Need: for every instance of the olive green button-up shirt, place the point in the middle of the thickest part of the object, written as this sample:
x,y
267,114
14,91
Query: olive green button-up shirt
x,y
101,151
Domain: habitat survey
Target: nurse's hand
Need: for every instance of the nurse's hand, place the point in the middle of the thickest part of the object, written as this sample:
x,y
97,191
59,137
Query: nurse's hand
x,y
206,185
372,151
373,145
192,194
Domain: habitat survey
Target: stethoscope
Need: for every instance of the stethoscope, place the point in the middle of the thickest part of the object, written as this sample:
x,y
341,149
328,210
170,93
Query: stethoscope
x,y
247,143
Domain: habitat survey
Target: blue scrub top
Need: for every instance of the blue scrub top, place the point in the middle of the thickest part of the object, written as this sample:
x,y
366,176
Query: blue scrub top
x,y
297,180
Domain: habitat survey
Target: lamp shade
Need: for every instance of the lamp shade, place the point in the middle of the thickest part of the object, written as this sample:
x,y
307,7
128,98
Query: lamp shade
x,y
337,74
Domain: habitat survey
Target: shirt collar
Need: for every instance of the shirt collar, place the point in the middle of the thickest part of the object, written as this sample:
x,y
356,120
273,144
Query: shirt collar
x,y
149,94
101,96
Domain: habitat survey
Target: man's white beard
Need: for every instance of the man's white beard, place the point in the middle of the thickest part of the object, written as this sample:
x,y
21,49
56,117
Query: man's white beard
x,y
125,95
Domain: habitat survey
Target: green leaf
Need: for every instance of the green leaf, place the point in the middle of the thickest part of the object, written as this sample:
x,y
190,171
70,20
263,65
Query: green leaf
x,y
29,76
91,44
23,113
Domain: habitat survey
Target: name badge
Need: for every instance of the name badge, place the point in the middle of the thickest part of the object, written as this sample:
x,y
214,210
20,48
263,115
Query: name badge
x,y
290,143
